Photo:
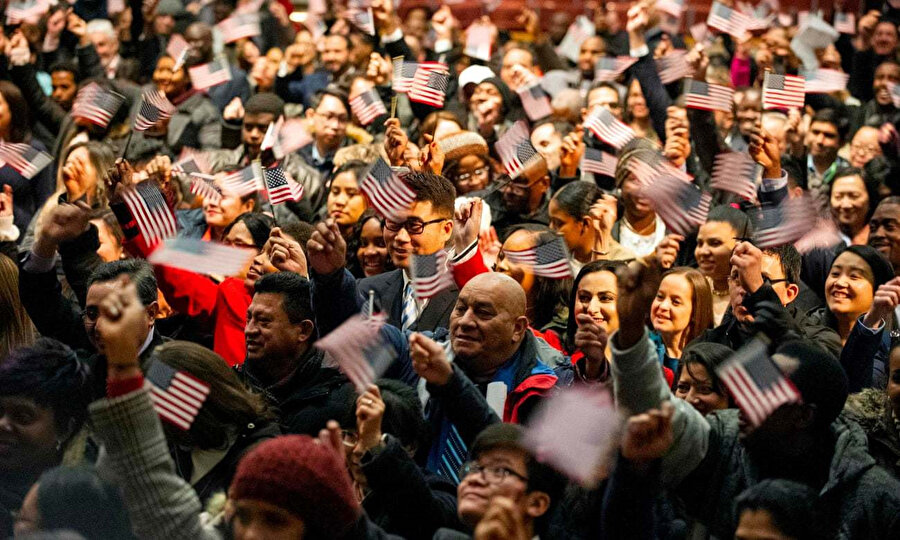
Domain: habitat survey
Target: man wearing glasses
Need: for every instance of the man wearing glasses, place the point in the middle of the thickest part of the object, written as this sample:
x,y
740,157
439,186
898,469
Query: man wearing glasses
x,y
329,114
524,199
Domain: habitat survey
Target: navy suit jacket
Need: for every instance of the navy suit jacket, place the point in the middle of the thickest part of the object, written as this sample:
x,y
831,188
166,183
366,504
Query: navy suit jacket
x,y
388,289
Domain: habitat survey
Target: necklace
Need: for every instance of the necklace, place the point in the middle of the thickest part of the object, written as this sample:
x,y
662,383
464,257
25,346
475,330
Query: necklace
x,y
720,294
646,231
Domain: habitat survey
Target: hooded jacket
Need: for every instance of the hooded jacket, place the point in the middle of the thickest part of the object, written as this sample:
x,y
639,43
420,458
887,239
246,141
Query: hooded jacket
x,y
871,409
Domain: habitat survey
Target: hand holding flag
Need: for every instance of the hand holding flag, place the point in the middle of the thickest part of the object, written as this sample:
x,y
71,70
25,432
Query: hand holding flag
x,y
155,108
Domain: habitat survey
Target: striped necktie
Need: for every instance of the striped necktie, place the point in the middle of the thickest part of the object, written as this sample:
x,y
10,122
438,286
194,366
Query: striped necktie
x,y
410,309
452,455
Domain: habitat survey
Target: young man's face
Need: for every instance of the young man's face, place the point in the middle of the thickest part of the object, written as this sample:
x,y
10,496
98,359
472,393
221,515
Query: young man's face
x,y
823,140
476,490
64,88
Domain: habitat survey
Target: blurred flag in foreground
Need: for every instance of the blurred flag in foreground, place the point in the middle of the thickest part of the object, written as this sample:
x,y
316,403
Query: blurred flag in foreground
x,y
24,158
550,259
359,349
201,256
387,192
430,274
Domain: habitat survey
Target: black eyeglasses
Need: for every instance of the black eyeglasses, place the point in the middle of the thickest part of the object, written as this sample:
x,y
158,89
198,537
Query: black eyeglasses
x,y
412,225
492,475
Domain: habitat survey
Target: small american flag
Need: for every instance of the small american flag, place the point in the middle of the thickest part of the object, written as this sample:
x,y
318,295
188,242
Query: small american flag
x,y
598,162
550,260
177,395
281,187
368,106
429,85
673,66
725,19
96,104
784,223
270,140
758,386
845,23
192,162
177,49
208,75
359,349
154,218
579,446
516,151
25,159
155,108
682,206
403,75
205,188
28,11
647,168
608,128
672,7
430,274
735,172
824,234
362,19
245,181
894,89
286,136
609,68
783,91
387,192
708,96
535,101
202,257
479,38
823,81
239,26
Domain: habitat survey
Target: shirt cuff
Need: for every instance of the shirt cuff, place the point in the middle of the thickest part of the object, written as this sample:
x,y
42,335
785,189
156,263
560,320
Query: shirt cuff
x,y
443,45
466,253
870,331
35,264
8,231
773,184
396,35
640,52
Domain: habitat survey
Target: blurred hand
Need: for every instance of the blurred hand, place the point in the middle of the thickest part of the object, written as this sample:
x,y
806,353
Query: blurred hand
x,y
386,21
698,62
501,521
380,70
886,298
431,157
667,250
764,150
234,110
6,201
531,24
66,222
395,142
467,223
122,319
649,436
591,340
429,360
17,50
78,28
489,244
285,254
678,146
571,152
747,259
369,412
638,283
327,248
443,23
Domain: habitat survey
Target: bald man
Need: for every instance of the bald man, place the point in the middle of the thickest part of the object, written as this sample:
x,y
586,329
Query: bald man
x,y
489,343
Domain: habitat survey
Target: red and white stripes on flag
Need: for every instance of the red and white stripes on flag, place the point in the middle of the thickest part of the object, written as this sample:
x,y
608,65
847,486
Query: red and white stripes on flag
x,y
550,259
708,96
673,66
783,91
205,188
608,128
429,85
845,23
281,187
155,108
756,383
403,75
198,255
516,151
245,181
96,104
192,162
25,159
479,38
368,106
735,172
647,168
823,81
823,235
535,101
212,74
784,223
239,26
359,349
177,396
672,7
148,207
387,192
609,68
728,20
286,136
681,206
430,274
598,162
177,49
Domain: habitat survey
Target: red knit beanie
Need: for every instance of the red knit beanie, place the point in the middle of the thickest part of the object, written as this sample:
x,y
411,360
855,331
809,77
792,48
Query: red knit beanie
x,y
305,478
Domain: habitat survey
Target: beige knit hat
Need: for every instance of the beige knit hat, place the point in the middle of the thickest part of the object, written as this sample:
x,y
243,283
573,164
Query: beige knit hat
x,y
463,143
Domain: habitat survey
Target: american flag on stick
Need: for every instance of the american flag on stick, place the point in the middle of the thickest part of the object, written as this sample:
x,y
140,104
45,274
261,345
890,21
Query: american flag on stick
x,y
281,187
783,91
430,274
429,85
245,181
270,139
202,257
28,11
239,26
403,75
784,223
550,260
387,192
96,104
208,75
155,108
192,162
359,349
756,383
598,162
516,151
708,96
25,159
362,19
650,166
682,206
205,188
177,48
286,136
673,7
479,38
154,218
845,23
725,19
177,395
673,66
535,101
609,68
735,172
824,234
608,128
823,81
368,106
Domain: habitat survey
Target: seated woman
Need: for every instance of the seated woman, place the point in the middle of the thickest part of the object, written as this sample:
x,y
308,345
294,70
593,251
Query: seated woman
x,y
696,381
853,196
681,311
716,239
44,394
346,202
367,254
210,221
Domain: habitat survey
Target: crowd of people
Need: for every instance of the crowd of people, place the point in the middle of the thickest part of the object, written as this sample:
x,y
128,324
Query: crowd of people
x,y
280,442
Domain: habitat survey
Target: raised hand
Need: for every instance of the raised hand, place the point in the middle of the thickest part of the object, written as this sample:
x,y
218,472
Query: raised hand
x,y
886,298
78,27
369,412
379,70
119,177
395,142
327,248
122,319
591,340
285,254
638,283
531,24
431,157
17,50
429,360
489,244
667,250
698,62
443,23
386,21
234,111
66,222
678,146
467,223
330,438
501,521
570,152
649,436
603,215
764,150
747,259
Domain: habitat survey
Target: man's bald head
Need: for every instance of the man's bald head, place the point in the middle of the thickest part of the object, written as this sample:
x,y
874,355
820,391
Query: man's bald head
x,y
507,291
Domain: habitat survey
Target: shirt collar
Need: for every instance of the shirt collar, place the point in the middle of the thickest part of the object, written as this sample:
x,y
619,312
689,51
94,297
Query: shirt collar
x,y
147,341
